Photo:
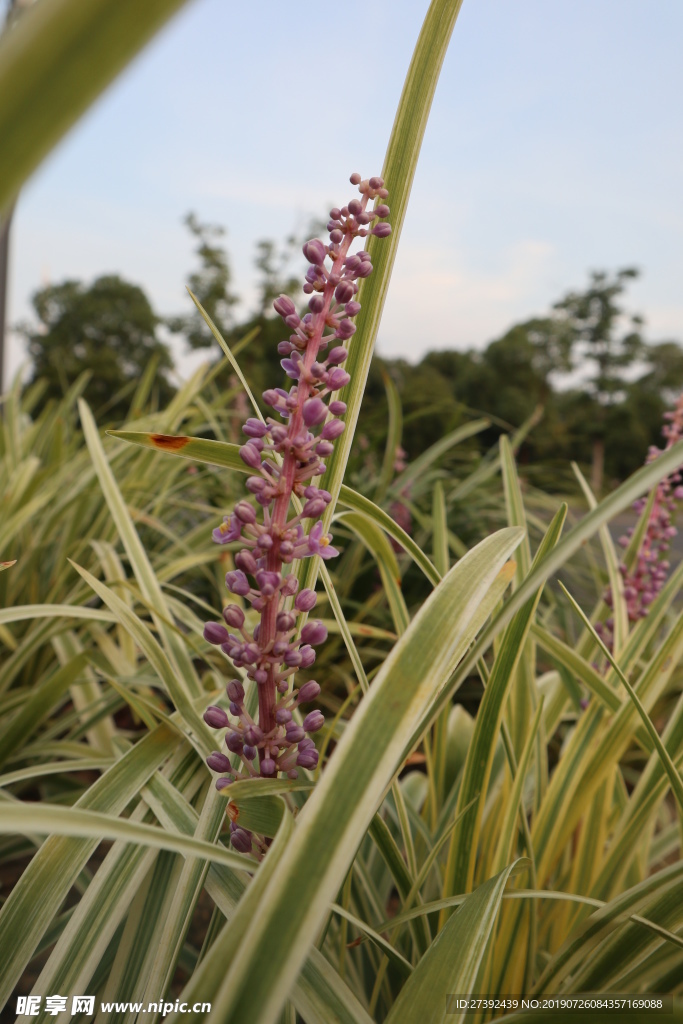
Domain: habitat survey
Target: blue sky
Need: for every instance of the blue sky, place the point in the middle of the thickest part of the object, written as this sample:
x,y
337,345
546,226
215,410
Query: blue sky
x,y
554,147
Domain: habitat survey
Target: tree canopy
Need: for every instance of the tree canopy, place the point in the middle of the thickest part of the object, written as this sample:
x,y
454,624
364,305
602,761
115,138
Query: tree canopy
x,y
106,329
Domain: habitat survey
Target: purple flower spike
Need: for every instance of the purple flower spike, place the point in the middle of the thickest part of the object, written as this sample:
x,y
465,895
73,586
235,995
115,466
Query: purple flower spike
x,y
285,454
645,581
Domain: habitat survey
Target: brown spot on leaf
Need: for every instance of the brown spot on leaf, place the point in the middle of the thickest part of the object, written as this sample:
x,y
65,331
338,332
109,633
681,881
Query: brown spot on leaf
x,y
233,811
168,442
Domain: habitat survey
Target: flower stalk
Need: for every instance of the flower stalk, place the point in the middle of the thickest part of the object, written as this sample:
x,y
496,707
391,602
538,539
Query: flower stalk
x,y
287,453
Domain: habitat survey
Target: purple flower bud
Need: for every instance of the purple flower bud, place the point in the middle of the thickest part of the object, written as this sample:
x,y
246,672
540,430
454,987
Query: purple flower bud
x,y
332,430
235,709
289,586
382,210
337,378
261,676
292,658
249,752
307,656
355,207
245,561
324,448
308,692
222,783
314,632
254,428
355,178
268,766
352,308
282,716
250,455
308,759
284,305
313,721
253,735
272,397
346,329
316,304
241,840
345,291
314,507
337,408
337,355
294,732
268,581
376,183
235,742
284,622
315,411
245,513
381,230
314,251
365,269
237,583
218,762
235,691
305,600
336,235
234,616
216,718
214,633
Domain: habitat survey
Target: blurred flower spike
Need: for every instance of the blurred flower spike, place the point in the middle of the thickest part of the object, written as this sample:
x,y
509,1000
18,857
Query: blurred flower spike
x,y
645,579
287,454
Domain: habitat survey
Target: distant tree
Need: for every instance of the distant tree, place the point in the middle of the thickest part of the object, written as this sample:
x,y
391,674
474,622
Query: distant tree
x,y
594,319
211,283
108,328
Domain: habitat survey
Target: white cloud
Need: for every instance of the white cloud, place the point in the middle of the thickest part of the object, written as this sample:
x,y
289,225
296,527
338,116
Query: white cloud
x,y
436,301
